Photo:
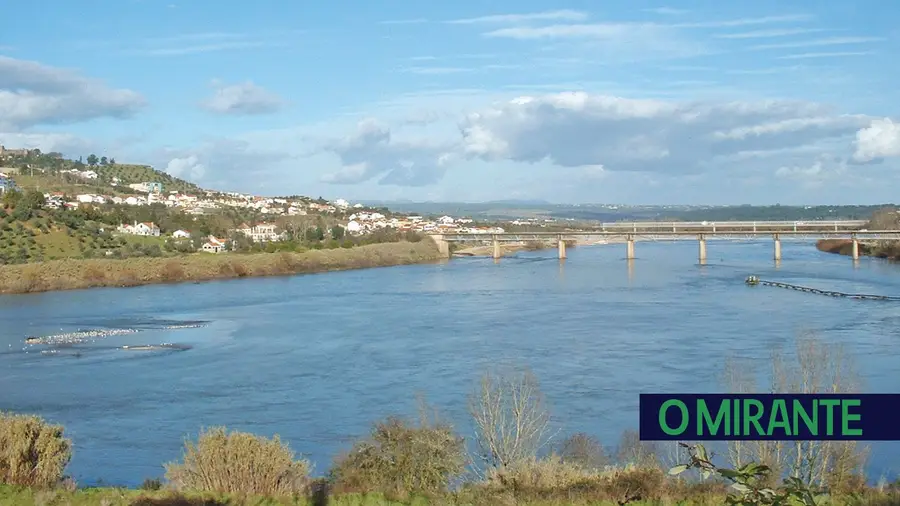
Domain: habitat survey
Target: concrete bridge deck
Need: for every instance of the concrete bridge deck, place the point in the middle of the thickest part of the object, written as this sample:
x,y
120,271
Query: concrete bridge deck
x,y
649,230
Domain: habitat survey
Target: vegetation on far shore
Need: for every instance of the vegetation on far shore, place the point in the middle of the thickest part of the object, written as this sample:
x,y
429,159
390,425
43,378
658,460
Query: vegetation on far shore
x,y
71,274
887,218
515,456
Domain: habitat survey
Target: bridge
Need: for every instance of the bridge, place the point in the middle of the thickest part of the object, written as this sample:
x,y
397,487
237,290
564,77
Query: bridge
x,y
679,230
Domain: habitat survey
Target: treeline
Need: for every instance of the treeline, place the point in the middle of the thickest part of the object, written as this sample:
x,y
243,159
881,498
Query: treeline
x,y
514,456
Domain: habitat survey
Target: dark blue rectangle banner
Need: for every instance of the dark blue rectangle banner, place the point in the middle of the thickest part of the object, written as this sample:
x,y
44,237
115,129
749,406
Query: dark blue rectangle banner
x,y
784,417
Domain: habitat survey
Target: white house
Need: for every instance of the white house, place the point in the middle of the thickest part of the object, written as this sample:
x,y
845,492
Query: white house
x,y
85,199
262,232
145,229
181,234
354,227
213,245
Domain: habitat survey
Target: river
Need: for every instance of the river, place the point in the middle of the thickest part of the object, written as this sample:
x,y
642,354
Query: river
x,y
317,358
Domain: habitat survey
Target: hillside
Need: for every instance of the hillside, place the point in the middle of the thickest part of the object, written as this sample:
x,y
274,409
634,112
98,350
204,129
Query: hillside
x,y
51,172
128,174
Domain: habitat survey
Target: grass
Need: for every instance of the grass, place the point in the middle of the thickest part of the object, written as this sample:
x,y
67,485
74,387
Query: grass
x,y
73,273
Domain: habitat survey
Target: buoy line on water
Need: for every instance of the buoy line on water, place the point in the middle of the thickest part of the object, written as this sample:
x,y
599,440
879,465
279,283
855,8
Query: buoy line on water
x,y
754,281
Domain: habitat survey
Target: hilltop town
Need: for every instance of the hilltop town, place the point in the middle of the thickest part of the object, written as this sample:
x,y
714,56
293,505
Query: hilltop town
x,y
100,185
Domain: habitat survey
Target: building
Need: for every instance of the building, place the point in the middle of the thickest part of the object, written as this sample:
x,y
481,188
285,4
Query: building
x,y
154,187
181,234
262,232
144,229
12,152
213,245
7,184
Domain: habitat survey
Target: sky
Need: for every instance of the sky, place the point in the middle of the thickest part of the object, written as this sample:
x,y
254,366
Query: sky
x,y
620,102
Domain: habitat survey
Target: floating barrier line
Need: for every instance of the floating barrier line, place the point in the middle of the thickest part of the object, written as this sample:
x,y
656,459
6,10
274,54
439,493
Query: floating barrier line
x,y
753,280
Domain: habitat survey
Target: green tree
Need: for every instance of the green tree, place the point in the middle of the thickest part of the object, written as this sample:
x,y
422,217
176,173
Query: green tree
x,y
92,159
103,160
337,232
33,200
11,197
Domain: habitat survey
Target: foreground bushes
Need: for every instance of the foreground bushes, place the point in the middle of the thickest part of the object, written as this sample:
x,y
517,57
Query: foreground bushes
x,y
239,462
33,453
399,458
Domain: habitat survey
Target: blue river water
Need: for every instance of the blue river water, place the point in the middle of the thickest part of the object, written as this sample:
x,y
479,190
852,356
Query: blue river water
x,y
317,358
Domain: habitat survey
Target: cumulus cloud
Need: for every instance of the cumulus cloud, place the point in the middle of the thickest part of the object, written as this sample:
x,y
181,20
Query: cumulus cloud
x,y
188,167
879,140
222,162
372,152
47,142
242,99
33,94
578,129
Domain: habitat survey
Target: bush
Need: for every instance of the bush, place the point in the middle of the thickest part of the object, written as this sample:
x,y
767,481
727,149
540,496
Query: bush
x,y
33,453
239,462
399,457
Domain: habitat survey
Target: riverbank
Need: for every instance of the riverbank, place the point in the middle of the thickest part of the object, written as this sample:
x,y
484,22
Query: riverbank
x,y
889,250
71,274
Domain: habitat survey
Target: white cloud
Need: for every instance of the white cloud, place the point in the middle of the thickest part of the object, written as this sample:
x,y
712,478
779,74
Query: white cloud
x,y
222,163
557,15
760,34
243,98
372,151
832,41
666,11
787,18
188,168
804,56
577,129
880,139
47,142
33,94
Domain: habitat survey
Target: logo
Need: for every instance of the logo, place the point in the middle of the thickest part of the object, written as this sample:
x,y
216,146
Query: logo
x,y
777,417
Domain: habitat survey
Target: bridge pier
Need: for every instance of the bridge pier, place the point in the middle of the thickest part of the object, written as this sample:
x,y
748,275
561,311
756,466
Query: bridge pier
x,y
497,252
629,247
702,252
442,244
561,245
855,249
777,248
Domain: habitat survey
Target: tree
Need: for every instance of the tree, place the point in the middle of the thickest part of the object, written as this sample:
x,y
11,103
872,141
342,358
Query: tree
x,y
112,161
92,160
11,197
33,200
103,160
337,232
512,423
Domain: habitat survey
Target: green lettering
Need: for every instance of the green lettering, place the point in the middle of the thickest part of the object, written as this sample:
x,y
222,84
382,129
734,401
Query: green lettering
x,y
662,417
754,418
829,420
737,417
704,417
846,417
811,423
779,410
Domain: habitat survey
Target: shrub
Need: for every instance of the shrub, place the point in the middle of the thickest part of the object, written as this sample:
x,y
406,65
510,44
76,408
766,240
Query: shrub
x,y
239,462
33,453
583,450
399,457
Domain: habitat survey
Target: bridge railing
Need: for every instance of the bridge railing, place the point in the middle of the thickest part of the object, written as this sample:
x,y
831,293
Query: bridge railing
x,y
732,226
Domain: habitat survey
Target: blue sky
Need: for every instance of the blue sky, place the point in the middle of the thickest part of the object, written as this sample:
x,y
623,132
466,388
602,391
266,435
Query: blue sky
x,y
684,102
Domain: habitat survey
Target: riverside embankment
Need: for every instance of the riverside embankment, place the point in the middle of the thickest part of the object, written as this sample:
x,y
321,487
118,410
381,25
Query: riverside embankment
x,y
91,273
880,249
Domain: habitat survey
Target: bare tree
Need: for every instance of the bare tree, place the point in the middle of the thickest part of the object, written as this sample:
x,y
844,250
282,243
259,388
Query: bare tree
x,y
816,368
512,423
